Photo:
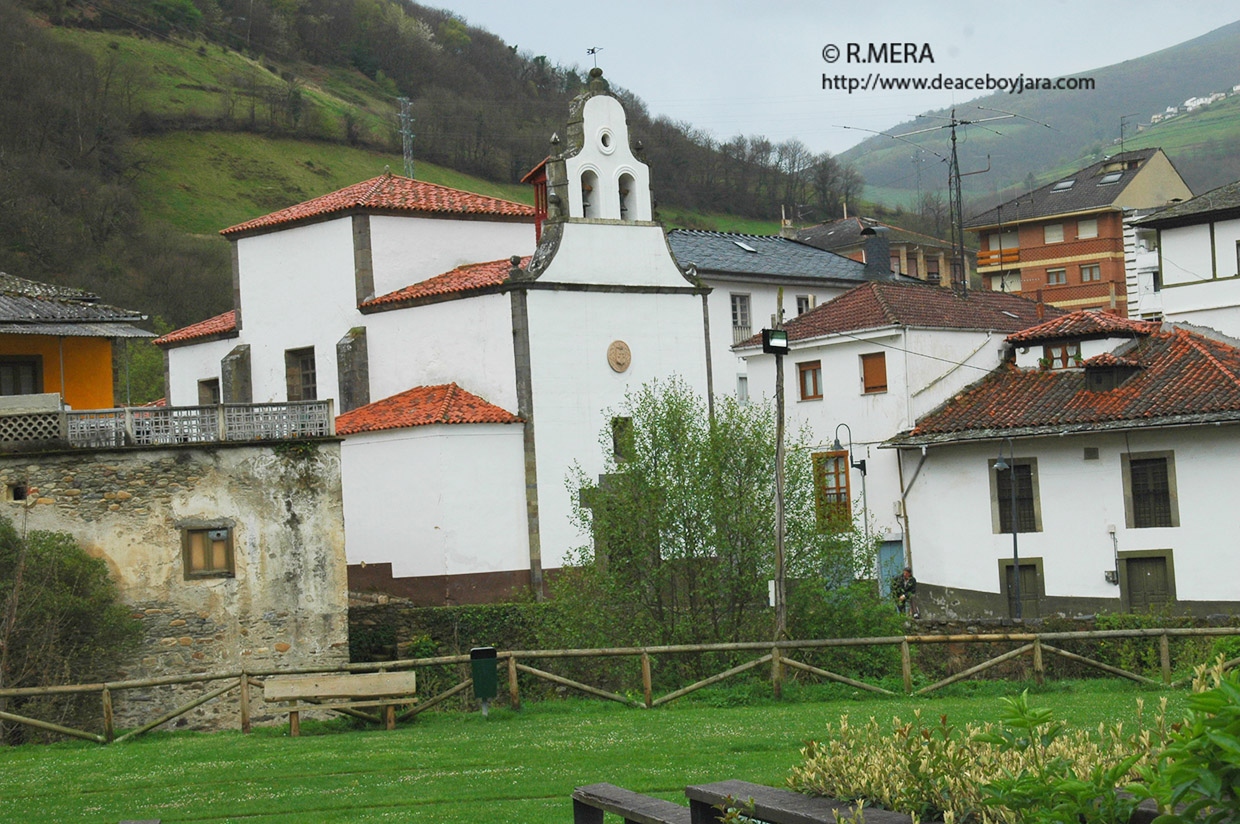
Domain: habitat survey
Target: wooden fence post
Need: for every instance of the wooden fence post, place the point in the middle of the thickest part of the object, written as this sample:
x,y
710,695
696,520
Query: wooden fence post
x,y
245,701
906,666
1039,668
777,673
513,695
647,691
109,731
1164,655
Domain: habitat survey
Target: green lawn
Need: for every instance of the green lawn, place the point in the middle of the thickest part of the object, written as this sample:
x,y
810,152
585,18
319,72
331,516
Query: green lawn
x,y
452,767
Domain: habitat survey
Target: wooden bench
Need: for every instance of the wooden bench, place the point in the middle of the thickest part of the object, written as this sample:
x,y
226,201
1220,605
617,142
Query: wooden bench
x,y
775,806
336,691
590,802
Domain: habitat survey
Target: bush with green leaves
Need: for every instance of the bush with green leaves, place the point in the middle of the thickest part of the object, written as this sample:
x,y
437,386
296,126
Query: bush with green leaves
x,y
61,622
1199,768
683,523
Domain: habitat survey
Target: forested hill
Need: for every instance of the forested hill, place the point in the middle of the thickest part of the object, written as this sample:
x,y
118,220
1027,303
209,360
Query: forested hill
x,y
134,129
1084,124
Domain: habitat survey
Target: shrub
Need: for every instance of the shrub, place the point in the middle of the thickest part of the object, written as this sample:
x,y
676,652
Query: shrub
x,y
61,622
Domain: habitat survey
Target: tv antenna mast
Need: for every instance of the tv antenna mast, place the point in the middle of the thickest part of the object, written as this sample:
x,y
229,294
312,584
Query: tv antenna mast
x,y
406,135
593,52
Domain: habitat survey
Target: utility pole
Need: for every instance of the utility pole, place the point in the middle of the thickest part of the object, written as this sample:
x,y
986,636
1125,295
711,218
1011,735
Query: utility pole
x,y
781,599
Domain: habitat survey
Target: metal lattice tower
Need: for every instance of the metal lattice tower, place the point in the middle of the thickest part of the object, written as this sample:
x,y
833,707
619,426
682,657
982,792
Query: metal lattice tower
x,y
406,135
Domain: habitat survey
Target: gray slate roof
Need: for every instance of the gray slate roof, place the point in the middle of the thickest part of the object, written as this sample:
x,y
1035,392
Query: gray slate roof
x,y
721,253
28,307
1217,203
1085,194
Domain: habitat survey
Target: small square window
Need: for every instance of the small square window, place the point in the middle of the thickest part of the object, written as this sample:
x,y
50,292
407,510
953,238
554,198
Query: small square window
x,y
1061,356
1091,273
208,551
809,376
1056,277
1052,233
874,373
1063,185
804,304
1087,228
209,392
15,492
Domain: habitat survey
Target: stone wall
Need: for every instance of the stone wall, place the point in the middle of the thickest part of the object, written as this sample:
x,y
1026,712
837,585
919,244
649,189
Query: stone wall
x,y
284,604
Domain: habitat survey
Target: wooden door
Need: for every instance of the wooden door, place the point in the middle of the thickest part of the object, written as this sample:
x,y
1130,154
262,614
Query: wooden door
x,y
1029,601
1148,587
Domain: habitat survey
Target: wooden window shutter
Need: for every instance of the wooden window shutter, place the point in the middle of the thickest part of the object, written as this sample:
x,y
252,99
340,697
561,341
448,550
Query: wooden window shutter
x,y
874,372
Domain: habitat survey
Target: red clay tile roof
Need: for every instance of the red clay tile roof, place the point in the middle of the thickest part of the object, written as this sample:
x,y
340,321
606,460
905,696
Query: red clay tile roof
x,y
460,279
419,406
388,193
1084,324
218,325
1185,378
1109,359
877,305
536,172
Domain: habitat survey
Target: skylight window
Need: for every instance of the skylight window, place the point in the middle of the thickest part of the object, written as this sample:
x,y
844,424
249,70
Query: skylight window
x,y
1063,185
1110,177
745,246
1009,314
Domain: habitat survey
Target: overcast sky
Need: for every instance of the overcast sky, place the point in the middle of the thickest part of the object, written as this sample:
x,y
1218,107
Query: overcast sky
x,y
735,66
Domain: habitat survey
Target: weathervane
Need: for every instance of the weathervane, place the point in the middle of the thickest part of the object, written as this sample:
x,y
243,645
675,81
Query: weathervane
x,y
593,52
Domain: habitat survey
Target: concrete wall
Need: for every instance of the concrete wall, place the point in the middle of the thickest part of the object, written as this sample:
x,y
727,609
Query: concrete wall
x,y
468,342
437,500
576,391
1198,287
955,545
922,372
285,604
763,300
408,250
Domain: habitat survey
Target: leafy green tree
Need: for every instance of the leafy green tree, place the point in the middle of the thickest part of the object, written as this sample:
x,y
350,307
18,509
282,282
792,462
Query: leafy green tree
x,y
61,622
683,523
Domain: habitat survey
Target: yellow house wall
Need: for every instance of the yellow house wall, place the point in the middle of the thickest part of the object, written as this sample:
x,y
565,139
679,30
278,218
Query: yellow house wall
x,y
87,366
1155,185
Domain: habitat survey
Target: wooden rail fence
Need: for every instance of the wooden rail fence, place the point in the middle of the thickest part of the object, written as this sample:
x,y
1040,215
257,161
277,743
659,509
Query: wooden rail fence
x,y
774,653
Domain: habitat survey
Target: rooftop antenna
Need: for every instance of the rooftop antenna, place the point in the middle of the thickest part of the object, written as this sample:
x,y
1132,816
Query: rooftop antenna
x,y
1121,129
593,52
406,135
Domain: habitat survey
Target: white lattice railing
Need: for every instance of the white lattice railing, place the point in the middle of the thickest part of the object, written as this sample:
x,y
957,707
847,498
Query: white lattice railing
x,y
149,426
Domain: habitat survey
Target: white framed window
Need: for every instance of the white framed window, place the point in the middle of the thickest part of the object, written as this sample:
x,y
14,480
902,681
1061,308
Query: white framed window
x,y
1091,273
1052,233
1056,277
740,318
804,304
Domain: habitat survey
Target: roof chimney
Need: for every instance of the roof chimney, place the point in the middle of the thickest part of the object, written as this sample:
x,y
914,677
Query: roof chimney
x,y
786,230
877,251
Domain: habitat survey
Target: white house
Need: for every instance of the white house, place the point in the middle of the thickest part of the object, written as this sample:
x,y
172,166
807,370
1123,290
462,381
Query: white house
x,y
1122,437
876,359
1198,248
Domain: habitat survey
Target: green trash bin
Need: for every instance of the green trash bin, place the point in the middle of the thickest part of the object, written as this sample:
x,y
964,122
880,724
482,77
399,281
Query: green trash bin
x,y
484,666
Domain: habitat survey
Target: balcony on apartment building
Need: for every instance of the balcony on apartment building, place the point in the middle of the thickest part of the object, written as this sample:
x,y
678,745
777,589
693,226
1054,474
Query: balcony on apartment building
x,y
30,422
998,257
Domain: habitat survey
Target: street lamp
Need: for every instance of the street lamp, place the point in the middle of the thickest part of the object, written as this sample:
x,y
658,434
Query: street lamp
x,y
838,447
1000,466
775,342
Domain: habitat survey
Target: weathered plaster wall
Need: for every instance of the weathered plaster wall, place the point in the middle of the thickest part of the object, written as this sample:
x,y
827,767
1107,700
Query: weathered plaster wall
x,y
285,605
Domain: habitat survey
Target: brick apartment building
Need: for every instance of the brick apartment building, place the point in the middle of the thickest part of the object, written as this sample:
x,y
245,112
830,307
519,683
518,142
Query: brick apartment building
x,y
1064,242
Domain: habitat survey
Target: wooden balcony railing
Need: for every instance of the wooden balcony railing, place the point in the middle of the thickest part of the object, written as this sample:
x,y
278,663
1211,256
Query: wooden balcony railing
x,y
998,257
154,426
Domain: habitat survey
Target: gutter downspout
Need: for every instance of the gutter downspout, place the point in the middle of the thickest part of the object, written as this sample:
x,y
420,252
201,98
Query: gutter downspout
x,y
60,346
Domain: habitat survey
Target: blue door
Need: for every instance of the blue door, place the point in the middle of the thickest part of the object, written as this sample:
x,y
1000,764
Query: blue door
x,y
890,563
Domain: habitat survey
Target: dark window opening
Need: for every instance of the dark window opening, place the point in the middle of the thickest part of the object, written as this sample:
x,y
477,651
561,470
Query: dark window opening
x,y
1026,520
300,374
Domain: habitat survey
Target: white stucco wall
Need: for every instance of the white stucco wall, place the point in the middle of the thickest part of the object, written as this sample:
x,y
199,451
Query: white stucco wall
x,y
574,386
615,254
467,342
924,368
297,290
407,250
763,300
436,500
1191,293
954,542
189,364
